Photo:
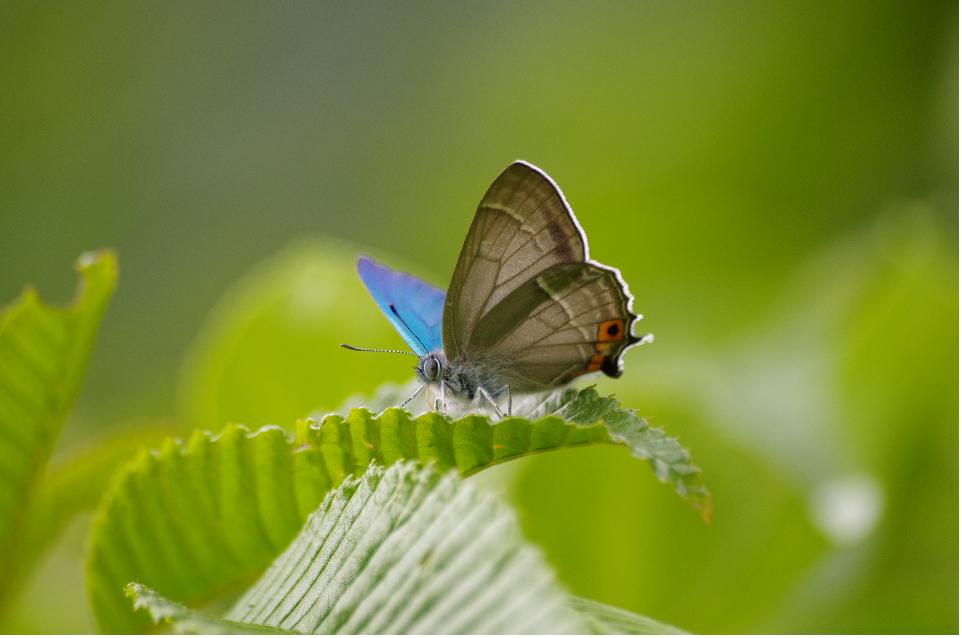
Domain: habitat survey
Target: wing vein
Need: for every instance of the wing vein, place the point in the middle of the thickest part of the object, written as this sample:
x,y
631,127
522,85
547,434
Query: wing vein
x,y
562,213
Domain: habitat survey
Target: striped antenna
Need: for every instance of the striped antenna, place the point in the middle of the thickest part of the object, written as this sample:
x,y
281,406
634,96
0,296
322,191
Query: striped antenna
x,y
357,349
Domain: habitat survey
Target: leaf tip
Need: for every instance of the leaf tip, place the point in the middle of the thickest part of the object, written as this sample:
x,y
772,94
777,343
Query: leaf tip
x,y
105,256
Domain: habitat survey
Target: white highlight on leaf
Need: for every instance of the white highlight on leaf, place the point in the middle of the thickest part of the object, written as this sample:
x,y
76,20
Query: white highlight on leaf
x,y
847,509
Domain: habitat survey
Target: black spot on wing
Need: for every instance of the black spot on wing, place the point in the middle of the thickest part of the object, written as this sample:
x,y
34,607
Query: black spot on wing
x,y
610,367
557,232
564,249
565,252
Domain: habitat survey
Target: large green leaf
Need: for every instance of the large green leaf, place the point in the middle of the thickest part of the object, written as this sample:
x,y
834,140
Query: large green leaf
x,y
407,550
43,353
404,550
200,520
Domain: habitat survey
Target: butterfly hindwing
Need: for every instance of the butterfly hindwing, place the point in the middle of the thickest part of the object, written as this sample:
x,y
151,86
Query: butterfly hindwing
x,y
522,227
412,306
569,320
525,299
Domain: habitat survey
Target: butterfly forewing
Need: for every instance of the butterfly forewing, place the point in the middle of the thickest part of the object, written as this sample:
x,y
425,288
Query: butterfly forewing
x,y
412,306
522,227
525,300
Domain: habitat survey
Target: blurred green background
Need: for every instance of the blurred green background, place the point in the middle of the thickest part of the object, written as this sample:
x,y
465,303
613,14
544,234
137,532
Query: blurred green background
x,y
777,181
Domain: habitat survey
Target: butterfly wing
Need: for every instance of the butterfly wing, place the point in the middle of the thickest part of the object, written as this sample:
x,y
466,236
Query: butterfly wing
x,y
522,226
412,306
525,299
569,320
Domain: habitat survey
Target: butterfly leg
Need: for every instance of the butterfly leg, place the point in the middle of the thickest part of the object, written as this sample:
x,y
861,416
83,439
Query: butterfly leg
x,y
443,409
438,400
410,398
490,400
508,389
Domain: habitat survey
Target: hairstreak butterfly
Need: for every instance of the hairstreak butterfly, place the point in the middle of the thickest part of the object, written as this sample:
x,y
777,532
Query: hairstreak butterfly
x,y
526,309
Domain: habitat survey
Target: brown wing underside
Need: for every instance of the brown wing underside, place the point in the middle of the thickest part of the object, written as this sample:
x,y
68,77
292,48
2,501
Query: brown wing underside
x,y
575,320
522,227
525,299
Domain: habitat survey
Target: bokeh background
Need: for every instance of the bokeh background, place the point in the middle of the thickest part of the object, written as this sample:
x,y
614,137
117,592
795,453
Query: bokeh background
x,y
777,181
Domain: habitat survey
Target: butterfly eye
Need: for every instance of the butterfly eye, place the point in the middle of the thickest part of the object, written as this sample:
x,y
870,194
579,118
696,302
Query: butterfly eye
x,y
431,368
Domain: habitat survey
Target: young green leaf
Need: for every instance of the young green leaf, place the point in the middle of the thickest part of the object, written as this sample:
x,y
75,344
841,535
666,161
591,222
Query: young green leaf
x,y
407,550
404,550
669,460
43,353
201,520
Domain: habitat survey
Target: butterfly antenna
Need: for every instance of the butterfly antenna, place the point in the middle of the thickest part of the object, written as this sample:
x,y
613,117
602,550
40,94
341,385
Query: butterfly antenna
x,y
404,323
357,349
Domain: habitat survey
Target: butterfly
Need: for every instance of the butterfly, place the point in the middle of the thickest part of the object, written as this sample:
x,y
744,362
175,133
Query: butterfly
x,y
526,310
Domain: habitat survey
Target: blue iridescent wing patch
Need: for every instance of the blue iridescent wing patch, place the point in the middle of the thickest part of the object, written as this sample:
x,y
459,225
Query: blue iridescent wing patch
x,y
412,306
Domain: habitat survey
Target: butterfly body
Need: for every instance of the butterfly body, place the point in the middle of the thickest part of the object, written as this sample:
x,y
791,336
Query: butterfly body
x,y
464,380
526,309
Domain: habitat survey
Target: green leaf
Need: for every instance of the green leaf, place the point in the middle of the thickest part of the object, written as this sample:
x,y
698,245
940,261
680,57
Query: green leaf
x,y
670,461
405,550
605,619
182,620
43,353
408,550
200,520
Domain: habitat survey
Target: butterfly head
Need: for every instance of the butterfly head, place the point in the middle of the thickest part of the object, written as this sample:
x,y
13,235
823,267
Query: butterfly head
x,y
430,367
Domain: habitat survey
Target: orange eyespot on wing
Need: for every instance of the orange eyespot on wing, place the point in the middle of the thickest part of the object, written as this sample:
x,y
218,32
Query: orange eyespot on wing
x,y
611,330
